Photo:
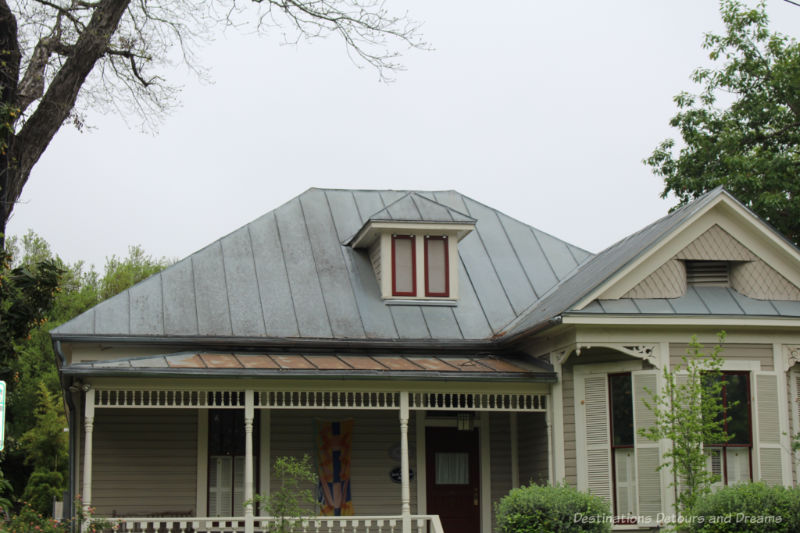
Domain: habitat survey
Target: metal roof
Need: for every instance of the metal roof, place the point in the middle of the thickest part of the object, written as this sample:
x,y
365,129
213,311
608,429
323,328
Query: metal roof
x,y
288,275
413,207
696,301
293,365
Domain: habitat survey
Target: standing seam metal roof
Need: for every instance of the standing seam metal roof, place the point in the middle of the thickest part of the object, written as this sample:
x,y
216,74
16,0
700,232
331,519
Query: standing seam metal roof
x,y
288,275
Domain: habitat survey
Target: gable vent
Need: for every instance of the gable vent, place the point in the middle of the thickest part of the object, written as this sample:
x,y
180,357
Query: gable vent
x,y
708,273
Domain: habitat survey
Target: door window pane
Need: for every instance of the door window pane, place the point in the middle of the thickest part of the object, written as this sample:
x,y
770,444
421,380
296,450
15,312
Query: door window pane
x,y
621,409
452,469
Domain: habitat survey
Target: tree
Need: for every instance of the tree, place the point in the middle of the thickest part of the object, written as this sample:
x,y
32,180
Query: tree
x,y
291,501
742,130
57,54
688,414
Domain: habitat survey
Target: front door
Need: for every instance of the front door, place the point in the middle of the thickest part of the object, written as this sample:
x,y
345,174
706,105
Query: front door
x,y
453,486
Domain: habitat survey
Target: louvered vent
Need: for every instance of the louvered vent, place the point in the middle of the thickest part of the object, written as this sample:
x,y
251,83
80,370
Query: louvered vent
x,y
708,273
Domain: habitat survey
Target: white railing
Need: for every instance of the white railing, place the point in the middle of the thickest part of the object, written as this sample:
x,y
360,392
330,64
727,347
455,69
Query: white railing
x,y
326,524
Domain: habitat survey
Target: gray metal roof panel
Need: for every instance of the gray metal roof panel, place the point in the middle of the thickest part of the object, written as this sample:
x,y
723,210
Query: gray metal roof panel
x,y
286,275
599,268
719,300
787,308
653,306
751,306
690,303
616,306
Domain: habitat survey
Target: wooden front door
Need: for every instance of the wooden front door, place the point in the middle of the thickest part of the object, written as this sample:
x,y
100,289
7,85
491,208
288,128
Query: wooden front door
x,y
452,477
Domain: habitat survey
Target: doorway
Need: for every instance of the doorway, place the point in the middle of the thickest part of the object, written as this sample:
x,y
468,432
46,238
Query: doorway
x,y
452,478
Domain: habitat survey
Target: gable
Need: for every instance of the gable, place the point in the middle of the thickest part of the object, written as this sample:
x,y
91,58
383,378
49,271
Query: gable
x,y
762,264
749,275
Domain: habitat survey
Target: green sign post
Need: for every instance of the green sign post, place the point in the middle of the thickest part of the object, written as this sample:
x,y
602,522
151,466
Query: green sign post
x,y
2,415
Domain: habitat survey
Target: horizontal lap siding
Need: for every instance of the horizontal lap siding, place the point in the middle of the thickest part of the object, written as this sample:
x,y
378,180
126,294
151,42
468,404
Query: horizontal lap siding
x,y
570,459
144,461
533,456
374,434
732,352
500,459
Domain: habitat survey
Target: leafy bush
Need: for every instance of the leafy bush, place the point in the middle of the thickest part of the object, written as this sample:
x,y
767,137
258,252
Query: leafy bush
x,y
748,507
551,509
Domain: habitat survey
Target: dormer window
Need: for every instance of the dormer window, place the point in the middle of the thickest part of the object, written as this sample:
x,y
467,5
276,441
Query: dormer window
x,y
437,266
404,265
410,244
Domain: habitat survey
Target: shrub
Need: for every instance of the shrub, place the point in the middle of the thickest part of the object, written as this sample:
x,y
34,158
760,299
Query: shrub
x,y
551,509
748,507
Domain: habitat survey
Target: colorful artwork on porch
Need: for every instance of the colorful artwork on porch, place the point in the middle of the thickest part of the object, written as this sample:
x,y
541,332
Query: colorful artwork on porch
x,y
334,443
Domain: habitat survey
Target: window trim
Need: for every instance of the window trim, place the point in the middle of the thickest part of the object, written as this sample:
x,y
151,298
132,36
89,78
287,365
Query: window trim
x,y
723,448
413,240
618,518
428,292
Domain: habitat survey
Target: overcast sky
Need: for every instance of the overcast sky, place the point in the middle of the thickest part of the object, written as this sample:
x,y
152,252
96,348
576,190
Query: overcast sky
x,y
543,110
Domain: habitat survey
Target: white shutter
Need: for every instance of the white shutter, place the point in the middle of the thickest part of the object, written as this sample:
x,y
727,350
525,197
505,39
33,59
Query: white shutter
x,y
648,458
795,403
625,476
768,435
593,448
714,465
238,486
220,471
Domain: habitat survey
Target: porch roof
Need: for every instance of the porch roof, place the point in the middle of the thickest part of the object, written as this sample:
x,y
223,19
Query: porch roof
x,y
332,365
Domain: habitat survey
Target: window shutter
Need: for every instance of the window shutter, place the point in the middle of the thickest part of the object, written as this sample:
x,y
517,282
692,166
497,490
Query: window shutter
x,y
238,486
219,485
714,465
593,435
648,457
768,434
795,402
625,476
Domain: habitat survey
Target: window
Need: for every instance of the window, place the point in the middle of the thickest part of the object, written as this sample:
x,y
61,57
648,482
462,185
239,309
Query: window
x,y
437,275
622,446
404,271
732,460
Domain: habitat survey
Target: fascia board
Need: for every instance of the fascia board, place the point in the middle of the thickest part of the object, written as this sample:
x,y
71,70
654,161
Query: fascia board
x,y
682,320
371,229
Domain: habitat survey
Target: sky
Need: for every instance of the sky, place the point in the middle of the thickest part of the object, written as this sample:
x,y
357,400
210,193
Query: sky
x,y
543,110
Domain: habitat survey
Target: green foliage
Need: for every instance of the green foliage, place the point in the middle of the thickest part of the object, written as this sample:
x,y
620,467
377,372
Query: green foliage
x,y
291,501
123,273
44,486
39,291
748,507
29,520
689,412
551,509
742,130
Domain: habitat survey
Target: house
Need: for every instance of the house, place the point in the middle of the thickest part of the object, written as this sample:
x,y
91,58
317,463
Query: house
x,y
429,353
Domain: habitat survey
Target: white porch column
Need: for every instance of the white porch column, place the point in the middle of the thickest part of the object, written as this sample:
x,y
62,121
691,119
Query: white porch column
x,y
405,489
514,435
248,460
548,417
88,425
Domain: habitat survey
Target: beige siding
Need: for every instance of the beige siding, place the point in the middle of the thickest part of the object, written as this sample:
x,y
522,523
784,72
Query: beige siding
x,y
757,279
375,258
668,281
144,461
500,460
570,460
533,461
731,352
715,244
375,433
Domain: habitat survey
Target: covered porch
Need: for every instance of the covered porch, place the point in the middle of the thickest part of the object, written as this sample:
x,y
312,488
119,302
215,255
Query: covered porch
x,y
147,462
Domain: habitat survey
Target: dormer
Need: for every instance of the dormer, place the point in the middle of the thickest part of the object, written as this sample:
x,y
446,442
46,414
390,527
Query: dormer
x,y
413,247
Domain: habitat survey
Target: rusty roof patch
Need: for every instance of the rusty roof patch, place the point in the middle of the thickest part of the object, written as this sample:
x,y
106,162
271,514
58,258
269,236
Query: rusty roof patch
x,y
292,362
328,362
256,361
501,365
362,362
185,360
397,363
220,360
466,364
432,363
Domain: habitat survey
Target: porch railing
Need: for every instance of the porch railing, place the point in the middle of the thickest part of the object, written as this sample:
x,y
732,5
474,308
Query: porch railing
x,y
326,524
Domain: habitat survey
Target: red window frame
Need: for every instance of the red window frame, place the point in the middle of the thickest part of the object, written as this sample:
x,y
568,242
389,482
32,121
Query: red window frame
x,y
446,292
413,291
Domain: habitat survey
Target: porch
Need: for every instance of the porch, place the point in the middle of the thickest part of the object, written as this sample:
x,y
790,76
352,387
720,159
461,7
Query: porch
x,y
147,458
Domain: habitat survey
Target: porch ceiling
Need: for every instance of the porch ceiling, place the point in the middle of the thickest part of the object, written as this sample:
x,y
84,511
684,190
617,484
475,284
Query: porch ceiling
x,y
478,367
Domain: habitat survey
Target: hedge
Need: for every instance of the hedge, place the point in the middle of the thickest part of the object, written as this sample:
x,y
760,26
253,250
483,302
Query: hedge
x,y
551,509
